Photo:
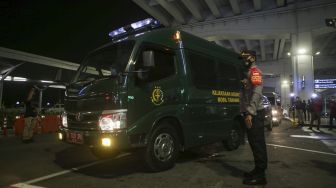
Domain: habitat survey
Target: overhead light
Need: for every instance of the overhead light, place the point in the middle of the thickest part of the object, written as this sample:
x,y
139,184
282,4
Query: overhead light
x,y
57,86
285,82
292,94
46,81
8,78
302,51
317,53
19,79
288,53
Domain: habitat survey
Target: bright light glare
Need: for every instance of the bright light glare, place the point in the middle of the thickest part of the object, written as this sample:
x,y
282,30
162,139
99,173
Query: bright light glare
x,y
274,112
274,118
314,95
305,136
141,23
288,53
285,82
106,142
64,120
317,53
292,94
57,86
8,78
17,102
60,136
302,51
46,81
19,79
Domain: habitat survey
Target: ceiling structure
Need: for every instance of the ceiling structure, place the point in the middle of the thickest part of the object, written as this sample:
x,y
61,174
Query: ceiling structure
x,y
265,26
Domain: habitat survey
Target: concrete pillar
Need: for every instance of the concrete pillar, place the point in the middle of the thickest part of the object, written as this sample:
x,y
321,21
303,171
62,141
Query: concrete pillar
x,y
302,65
285,83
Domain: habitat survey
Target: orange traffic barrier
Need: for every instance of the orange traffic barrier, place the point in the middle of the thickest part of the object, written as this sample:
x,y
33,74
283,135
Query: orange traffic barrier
x,y
50,123
46,124
18,126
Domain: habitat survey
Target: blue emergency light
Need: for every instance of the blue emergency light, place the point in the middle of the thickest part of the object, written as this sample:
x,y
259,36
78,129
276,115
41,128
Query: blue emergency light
x,y
138,26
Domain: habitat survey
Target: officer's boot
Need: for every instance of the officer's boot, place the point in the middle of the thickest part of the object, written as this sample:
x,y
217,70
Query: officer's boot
x,y
256,178
255,181
250,173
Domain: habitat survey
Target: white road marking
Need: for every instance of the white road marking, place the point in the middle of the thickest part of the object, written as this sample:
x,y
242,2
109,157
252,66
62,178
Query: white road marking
x,y
301,149
25,184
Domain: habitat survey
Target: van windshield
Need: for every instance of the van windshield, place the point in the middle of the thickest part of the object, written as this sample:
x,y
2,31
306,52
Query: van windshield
x,y
106,62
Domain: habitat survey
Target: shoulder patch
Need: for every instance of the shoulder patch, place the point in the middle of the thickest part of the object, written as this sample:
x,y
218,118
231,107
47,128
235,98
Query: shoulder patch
x,y
255,76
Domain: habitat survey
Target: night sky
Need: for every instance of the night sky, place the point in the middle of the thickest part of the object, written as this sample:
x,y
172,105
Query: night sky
x,y
62,29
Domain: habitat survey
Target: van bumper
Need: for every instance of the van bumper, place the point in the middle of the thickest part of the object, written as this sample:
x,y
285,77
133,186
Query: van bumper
x,y
118,140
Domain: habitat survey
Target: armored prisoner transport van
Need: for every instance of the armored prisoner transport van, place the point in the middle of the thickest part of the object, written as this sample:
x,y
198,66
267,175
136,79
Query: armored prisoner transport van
x,y
159,92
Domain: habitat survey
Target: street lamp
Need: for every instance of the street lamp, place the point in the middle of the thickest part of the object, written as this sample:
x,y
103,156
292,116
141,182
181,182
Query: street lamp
x,y
301,51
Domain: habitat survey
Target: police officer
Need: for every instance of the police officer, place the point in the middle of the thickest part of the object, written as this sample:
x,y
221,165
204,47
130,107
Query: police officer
x,y
253,115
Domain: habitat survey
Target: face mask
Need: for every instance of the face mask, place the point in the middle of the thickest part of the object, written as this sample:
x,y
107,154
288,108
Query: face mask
x,y
247,64
248,61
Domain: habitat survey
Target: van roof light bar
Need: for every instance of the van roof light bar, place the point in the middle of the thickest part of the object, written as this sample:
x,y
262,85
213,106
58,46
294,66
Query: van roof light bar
x,y
139,26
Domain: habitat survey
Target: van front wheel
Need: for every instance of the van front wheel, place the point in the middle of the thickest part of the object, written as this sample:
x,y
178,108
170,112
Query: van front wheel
x,y
233,140
162,149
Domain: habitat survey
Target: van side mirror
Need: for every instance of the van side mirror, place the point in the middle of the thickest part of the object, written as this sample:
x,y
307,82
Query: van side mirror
x,y
148,64
148,58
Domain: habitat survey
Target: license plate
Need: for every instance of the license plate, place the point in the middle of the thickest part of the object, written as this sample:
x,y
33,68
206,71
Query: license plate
x,y
75,137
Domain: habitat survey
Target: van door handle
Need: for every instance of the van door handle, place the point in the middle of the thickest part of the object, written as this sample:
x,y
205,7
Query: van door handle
x,y
225,113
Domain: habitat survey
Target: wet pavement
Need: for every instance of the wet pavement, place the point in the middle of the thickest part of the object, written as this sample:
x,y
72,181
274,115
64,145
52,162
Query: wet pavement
x,y
298,157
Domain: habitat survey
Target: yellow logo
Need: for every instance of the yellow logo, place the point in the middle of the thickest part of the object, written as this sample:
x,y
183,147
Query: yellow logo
x,y
157,96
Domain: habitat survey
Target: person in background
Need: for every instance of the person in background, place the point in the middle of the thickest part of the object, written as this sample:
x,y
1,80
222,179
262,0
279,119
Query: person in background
x,y
299,110
304,110
30,118
309,109
332,111
253,116
316,112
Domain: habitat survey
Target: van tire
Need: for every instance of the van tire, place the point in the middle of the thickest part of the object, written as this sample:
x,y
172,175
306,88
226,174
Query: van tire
x,y
163,148
233,141
104,154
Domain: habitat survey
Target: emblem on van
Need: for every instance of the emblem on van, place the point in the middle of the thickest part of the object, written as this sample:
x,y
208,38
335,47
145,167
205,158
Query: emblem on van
x,y
157,96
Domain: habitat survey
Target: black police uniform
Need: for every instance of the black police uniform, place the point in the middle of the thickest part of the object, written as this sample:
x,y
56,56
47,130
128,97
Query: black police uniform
x,y
251,104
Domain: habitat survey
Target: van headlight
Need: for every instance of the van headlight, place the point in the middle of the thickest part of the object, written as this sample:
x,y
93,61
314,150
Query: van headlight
x,y
64,120
113,121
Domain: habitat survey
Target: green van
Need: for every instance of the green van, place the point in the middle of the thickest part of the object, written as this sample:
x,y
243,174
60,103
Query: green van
x,y
159,92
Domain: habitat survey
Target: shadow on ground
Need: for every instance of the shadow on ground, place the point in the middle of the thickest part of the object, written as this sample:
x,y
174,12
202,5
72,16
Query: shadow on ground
x,y
329,167
130,164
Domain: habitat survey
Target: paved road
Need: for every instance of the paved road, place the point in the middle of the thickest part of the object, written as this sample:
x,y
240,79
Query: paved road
x,y
298,157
